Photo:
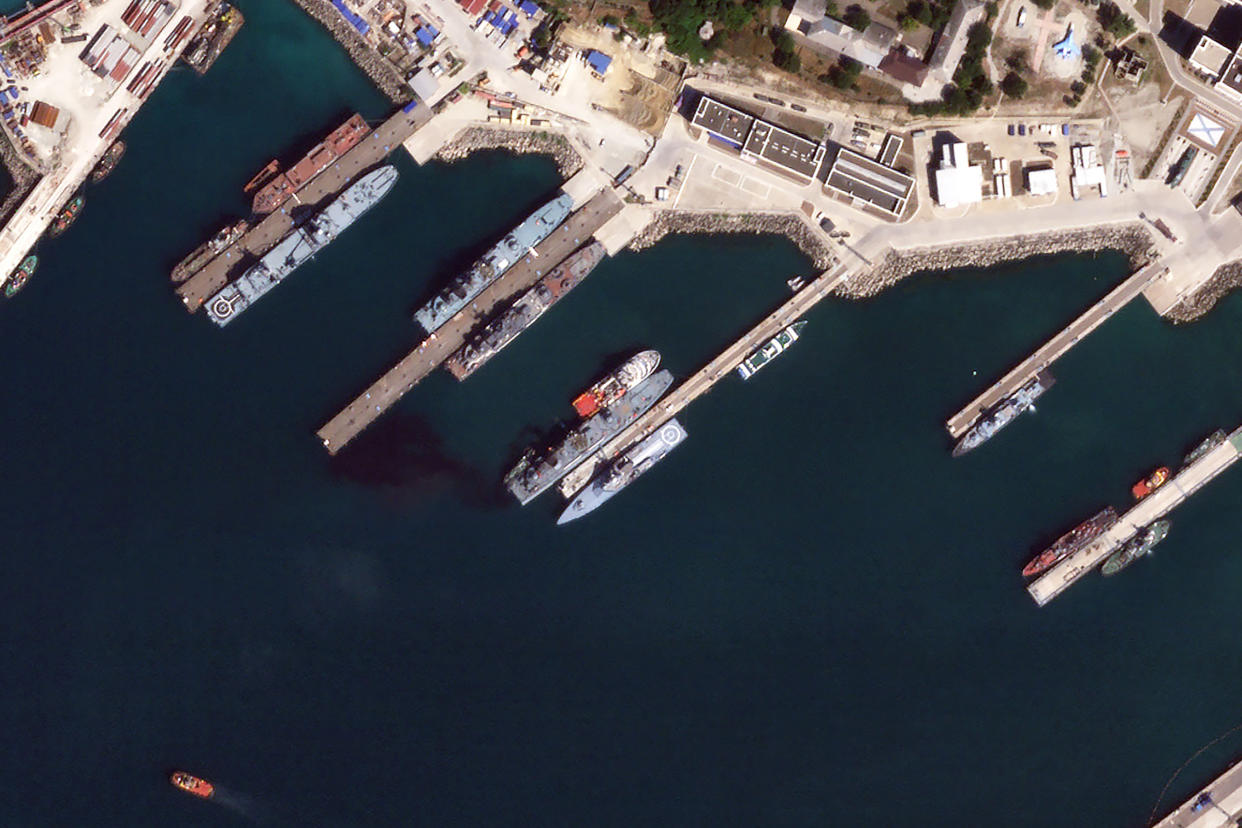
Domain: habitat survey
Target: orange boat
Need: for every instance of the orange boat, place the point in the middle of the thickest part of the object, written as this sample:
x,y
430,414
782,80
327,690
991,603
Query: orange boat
x,y
279,189
193,785
1152,482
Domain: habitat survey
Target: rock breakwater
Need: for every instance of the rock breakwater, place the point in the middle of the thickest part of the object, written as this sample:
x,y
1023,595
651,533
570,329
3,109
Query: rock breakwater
x,y
522,141
382,73
1227,278
24,178
1131,239
789,225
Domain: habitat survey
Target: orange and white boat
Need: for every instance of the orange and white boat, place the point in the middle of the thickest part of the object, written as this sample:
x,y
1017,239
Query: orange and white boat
x,y
192,785
1149,484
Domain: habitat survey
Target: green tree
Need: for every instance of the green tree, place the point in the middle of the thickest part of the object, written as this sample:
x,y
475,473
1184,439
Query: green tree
x,y
1014,85
856,17
844,73
908,24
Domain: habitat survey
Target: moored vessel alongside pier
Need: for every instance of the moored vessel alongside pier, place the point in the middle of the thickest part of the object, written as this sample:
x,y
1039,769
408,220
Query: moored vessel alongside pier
x,y
17,280
1072,541
616,383
1150,483
625,470
208,250
494,263
1138,546
108,163
301,244
1004,412
770,350
536,471
282,187
532,304
67,216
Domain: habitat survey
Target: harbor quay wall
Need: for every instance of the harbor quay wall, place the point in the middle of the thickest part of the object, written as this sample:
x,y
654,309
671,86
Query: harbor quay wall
x,y
1132,239
790,225
519,141
1226,279
382,73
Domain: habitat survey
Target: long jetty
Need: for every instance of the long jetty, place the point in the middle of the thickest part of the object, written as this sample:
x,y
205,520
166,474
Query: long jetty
x,y
577,230
261,238
1056,347
1157,504
702,381
1218,805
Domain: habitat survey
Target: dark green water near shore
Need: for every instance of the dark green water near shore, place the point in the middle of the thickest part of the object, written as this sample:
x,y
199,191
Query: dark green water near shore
x,y
808,615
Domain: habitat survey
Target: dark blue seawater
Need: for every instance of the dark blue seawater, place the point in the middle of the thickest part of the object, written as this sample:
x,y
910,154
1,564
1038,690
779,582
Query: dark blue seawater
x,y
809,615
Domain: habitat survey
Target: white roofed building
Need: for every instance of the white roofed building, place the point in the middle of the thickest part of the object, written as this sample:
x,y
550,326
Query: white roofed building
x,y
957,181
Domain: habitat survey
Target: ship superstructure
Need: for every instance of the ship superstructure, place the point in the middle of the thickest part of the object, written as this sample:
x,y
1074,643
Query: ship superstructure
x,y
522,313
625,470
1072,541
770,350
494,263
614,386
302,243
1004,412
1138,546
537,470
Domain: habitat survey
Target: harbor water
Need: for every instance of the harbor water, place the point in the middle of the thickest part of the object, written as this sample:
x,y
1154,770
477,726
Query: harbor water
x,y
808,615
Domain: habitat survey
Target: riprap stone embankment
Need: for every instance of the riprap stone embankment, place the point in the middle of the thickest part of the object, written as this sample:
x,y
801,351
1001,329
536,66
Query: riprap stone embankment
x,y
524,141
1131,239
382,73
1227,278
782,224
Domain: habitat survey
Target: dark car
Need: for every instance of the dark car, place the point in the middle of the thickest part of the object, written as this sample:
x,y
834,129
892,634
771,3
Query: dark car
x,y
1011,129
1022,129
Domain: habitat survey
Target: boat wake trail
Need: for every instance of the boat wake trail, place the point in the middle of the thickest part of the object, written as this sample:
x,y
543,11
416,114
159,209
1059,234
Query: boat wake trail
x,y
239,803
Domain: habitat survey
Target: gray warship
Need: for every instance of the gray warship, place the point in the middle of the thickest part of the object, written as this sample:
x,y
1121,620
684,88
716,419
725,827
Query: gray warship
x,y
625,470
302,243
536,472
494,263
1004,412
522,314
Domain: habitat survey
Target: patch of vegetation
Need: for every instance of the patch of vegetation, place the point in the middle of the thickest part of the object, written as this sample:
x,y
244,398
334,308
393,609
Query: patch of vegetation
x,y
680,20
1115,22
1014,85
785,56
856,17
843,74
1044,4
926,13
970,83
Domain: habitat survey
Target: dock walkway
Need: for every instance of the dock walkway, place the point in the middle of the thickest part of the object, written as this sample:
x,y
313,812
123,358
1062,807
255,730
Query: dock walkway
x,y
1056,347
702,381
220,270
1221,804
1157,504
432,351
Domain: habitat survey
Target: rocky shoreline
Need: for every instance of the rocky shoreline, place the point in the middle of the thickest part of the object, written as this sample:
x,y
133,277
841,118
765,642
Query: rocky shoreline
x,y
1131,239
24,179
784,224
1226,279
381,72
474,139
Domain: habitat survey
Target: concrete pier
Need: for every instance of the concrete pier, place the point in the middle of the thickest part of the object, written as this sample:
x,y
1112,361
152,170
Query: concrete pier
x,y
702,381
577,230
1055,348
222,269
1153,507
1216,806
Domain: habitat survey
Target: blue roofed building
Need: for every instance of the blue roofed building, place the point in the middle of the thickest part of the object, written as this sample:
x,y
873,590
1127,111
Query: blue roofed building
x,y
528,8
599,62
357,22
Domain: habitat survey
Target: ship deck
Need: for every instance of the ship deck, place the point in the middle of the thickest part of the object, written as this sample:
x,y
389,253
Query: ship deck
x,y
1055,348
439,346
1153,507
261,238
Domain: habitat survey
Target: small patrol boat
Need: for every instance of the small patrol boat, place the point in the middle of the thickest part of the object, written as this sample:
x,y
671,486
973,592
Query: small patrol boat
x,y
192,784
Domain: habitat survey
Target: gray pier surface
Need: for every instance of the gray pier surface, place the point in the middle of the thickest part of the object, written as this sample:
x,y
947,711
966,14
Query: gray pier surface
x,y
1222,807
577,230
706,377
1153,507
1055,348
261,238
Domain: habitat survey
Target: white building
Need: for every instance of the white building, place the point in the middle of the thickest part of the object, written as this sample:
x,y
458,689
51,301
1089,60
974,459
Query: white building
x,y
1086,171
957,182
1042,181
